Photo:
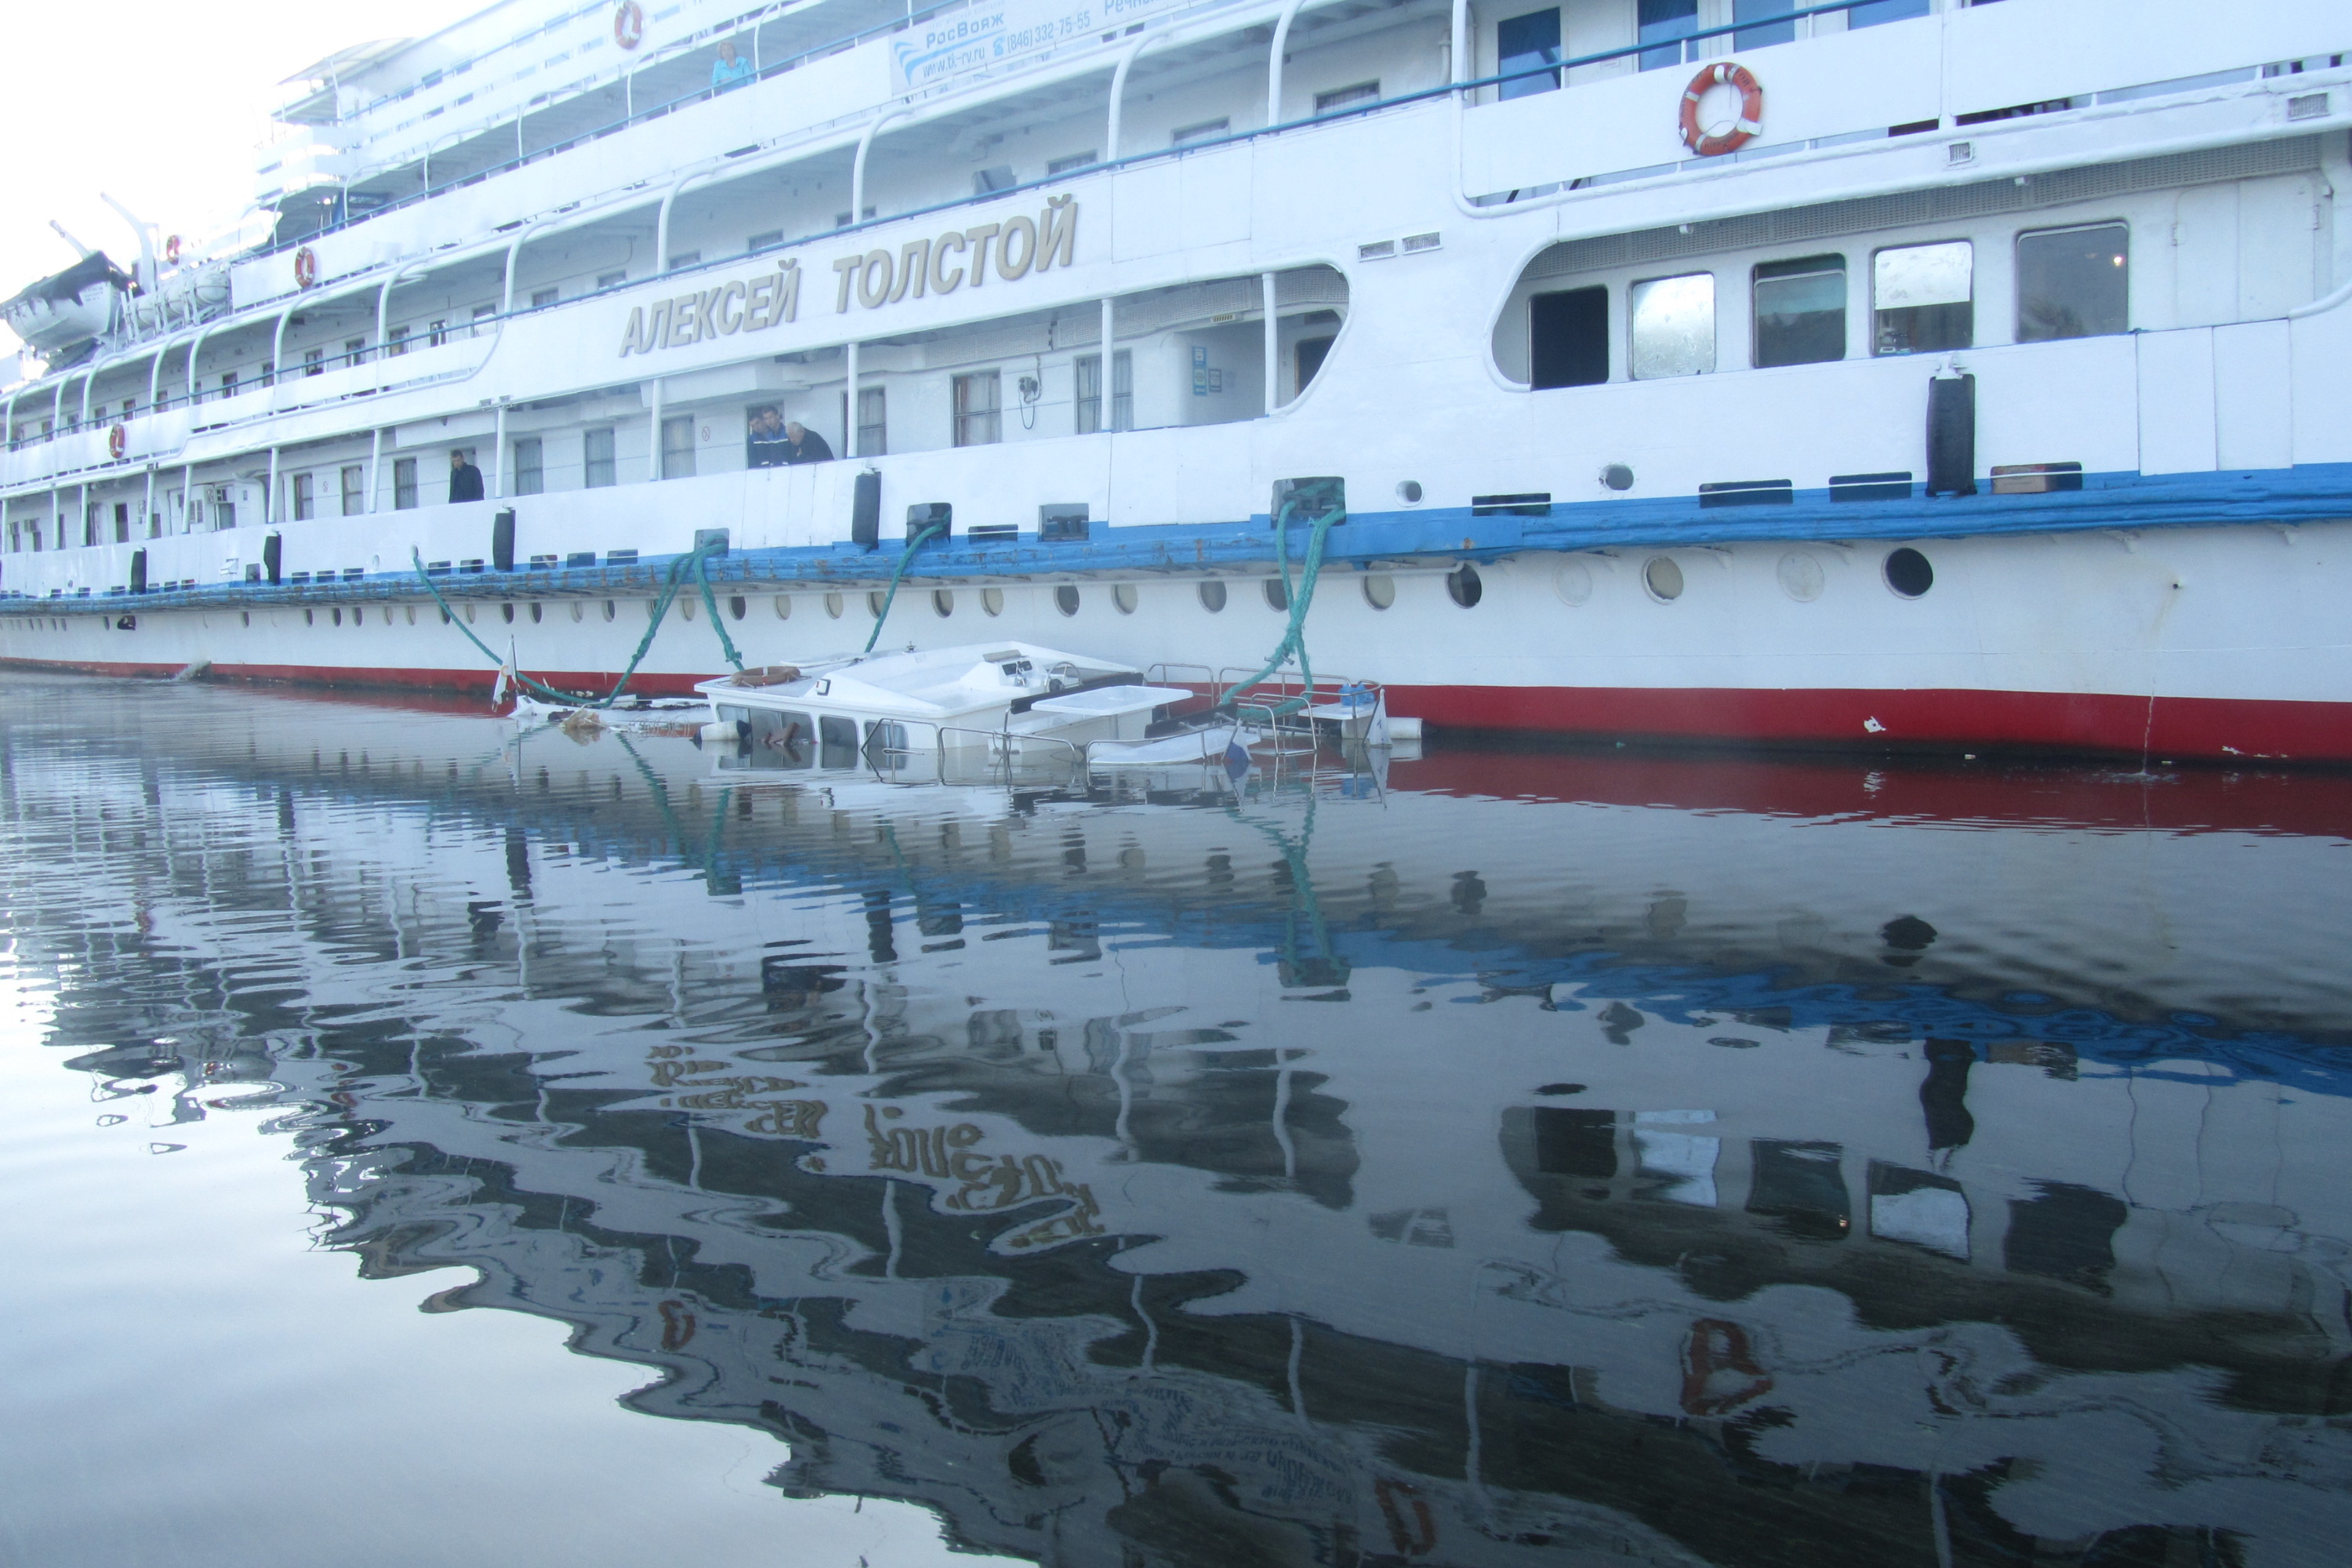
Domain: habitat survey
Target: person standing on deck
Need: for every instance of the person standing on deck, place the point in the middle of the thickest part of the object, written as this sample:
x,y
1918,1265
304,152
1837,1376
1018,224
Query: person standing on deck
x,y
465,479
730,70
769,447
806,446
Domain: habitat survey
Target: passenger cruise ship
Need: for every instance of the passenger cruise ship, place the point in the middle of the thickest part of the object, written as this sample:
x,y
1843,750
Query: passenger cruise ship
x,y
1886,372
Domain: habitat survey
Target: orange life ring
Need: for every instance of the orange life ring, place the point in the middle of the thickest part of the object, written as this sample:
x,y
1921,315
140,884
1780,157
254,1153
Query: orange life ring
x,y
1740,80
306,268
118,441
628,25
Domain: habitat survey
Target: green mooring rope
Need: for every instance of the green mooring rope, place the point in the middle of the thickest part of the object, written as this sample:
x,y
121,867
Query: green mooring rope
x,y
698,557
915,541
1294,636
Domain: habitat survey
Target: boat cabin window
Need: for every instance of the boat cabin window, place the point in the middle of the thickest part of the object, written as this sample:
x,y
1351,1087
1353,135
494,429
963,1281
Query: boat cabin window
x,y
978,422
837,741
886,743
2073,282
1527,43
1311,352
1923,298
530,466
1673,326
1800,310
1665,22
1567,338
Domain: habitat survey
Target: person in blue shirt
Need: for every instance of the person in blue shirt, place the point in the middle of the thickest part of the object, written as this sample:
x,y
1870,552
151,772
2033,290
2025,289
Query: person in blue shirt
x,y
728,70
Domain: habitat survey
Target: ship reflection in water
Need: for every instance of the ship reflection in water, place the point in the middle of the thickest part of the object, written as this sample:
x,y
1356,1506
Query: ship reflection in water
x,y
1503,1159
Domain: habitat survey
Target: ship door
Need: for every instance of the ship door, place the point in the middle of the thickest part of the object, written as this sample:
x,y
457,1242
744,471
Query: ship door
x,y
271,548
138,571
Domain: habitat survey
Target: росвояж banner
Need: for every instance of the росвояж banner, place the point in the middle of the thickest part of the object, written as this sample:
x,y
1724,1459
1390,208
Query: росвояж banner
x,y
988,35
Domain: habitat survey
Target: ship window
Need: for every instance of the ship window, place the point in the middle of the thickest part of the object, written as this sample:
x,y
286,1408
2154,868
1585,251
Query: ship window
x,y
992,600
677,448
1087,159
614,279
354,350
481,314
788,735
1340,97
988,181
1122,390
1123,597
943,602
540,299
977,421
2073,282
1871,13
529,472
403,484
1312,352
1800,310
397,341
1666,22
1066,599
764,240
314,360
1199,132
682,259
304,507
355,487
1085,393
596,459
1567,338
1922,298
1762,10
1674,326
1529,43
837,738
1277,594
873,420
1212,596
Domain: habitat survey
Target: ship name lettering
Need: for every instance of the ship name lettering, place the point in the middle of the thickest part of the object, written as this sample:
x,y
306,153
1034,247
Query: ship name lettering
x,y
980,237
736,306
914,268
943,281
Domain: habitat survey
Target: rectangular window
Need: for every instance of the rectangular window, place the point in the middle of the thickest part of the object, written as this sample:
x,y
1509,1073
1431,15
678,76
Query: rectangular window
x,y
228,384
1122,390
268,373
397,342
610,280
2073,282
685,259
1799,312
836,742
483,315
1762,10
1673,326
597,467
1200,132
1567,338
540,299
1923,298
122,522
403,484
529,475
305,507
129,407
1666,23
762,241
677,448
1526,44
354,491
314,360
873,421
1085,393
436,333
354,350
977,421
1074,161
1871,13
986,182
1310,354
1340,97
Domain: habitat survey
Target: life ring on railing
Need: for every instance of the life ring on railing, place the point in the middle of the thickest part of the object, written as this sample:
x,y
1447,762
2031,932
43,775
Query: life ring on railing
x,y
172,250
628,24
306,268
1741,80
118,441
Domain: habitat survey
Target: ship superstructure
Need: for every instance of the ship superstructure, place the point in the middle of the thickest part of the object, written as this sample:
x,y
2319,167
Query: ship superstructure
x,y
1885,372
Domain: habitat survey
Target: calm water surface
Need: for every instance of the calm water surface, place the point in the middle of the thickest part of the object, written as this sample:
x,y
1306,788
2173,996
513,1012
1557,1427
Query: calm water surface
x,y
423,1145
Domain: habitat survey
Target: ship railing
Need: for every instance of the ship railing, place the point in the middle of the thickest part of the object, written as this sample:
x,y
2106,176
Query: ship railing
x,y
1197,679
1003,757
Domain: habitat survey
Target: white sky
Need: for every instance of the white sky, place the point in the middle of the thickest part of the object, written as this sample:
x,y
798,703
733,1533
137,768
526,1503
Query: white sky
x,y
160,106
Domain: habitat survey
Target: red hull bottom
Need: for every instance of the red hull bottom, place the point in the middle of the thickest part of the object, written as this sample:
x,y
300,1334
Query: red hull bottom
x,y
2161,727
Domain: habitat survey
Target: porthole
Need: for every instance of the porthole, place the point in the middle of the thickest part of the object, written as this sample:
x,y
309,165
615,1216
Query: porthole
x,y
412,612
470,615
1572,582
338,614
1212,596
1464,585
535,612
686,604
1662,578
1801,576
359,616
784,606
1065,598
737,607
832,606
875,599
579,611
611,609
507,613
1908,573
1409,492
943,602
992,600
1379,591
1277,594
310,617
1122,595
245,616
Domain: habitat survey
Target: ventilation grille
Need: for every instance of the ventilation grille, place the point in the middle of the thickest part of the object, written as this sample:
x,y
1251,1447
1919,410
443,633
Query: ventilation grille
x,y
2058,188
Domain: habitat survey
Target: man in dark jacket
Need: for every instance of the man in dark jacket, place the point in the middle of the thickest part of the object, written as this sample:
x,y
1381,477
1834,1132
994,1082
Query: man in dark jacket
x,y
768,447
465,479
804,444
